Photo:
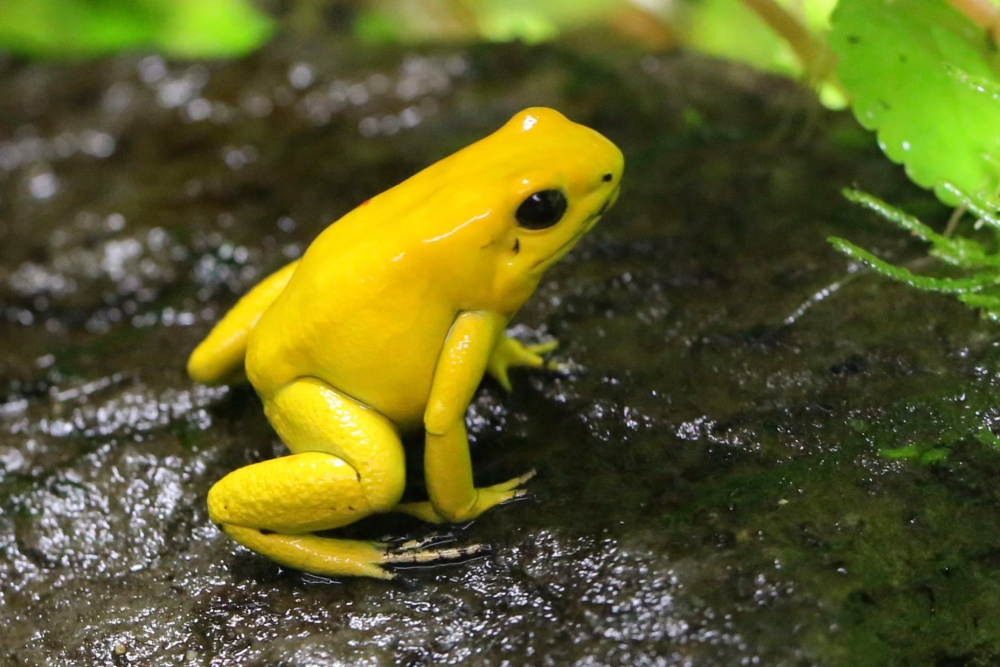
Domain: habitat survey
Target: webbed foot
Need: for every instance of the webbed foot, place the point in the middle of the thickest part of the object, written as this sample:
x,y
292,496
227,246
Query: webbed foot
x,y
510,353
486,497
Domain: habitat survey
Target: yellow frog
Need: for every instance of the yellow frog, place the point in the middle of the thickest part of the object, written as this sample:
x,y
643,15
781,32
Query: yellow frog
x,y
387,324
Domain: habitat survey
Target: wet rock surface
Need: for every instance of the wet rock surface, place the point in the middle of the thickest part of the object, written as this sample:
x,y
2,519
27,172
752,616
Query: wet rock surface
x,y
713,485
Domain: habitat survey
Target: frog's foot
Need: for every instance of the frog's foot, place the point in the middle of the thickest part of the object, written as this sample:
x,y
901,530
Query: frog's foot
x,y
486,497
415,553
397,544
335,557
510,353
318,555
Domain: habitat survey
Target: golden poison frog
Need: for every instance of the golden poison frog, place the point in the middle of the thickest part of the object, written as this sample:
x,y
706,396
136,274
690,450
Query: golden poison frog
x,y
387,324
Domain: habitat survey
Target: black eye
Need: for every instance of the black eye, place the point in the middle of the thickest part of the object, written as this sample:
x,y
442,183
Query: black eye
x,y
542,209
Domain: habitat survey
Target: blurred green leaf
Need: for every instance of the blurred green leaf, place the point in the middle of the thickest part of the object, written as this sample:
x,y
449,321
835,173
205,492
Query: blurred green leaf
x,y
492,20
914,453
185,28
199,28
731,30
728,29
907,452
722,28
924,77
935,455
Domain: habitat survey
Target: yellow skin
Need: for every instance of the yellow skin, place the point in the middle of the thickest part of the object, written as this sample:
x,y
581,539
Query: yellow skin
x,y
388,324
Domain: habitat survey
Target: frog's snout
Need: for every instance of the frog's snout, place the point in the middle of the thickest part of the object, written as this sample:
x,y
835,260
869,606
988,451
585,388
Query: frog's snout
x,y
610,201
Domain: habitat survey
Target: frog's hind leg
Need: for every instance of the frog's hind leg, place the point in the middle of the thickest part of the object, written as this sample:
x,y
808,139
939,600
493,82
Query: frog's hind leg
x,y
347,463
219,358
336,557
274,506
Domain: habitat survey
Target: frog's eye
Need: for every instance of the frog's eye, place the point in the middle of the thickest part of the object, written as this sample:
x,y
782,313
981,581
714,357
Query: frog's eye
x,y
542,209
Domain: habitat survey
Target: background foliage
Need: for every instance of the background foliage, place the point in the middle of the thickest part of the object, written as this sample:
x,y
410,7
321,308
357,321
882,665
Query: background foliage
x,y
184,28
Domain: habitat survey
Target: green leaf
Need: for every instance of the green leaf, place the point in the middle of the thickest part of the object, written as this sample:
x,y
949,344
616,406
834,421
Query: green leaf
x,y
935,455
973,283
924,78
914,453
186,28
988,304
212,28
893,214
957,251
983,207
729,29
907,452
492,20
988,437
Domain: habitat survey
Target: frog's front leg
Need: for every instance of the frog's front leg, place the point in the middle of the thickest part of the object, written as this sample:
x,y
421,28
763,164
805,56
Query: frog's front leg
x,y
510,353
347,463
447,464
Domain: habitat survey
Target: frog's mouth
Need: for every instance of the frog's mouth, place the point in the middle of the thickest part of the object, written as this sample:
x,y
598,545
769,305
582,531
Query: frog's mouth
x,y
587,224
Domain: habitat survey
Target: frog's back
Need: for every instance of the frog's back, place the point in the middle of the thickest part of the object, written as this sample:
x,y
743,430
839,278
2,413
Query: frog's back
x,y
361,313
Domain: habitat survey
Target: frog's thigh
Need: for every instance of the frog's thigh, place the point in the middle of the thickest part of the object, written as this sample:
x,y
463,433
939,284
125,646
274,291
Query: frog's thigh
x,y
347,463
311,416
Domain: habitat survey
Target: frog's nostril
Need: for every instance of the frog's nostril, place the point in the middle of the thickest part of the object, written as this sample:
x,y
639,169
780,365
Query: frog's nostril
x,y
607,177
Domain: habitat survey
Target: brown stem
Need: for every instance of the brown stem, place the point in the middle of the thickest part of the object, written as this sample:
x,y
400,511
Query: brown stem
x,y
640,25
956,215
816,57
983,13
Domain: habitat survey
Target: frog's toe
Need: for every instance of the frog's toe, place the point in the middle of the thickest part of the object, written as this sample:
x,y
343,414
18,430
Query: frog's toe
x,y
414,554
513,483
519,496
486,497
501,375
498,494
510,353
543,348
432,540
531,356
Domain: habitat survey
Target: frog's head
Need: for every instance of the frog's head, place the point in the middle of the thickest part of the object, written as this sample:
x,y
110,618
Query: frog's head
x,y
495,215
552,179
